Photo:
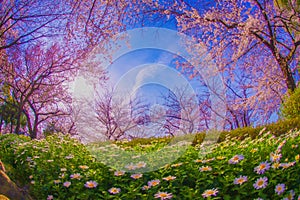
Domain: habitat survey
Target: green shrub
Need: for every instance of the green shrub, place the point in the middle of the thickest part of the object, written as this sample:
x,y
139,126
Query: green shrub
x,y
278,128
9,144
284,126
291,105
240,133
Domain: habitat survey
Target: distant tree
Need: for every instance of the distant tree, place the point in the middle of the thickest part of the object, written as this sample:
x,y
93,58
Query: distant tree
x,y
66,124
244,106
50,129
117,116
185,113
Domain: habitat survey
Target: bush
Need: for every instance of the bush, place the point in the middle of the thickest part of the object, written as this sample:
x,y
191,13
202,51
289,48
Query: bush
x,y
291,105
278,128
240,133
284,126
9,143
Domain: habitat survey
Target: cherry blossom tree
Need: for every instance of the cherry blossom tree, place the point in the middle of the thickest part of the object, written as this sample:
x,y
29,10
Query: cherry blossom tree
x,y
23,21
117,116
43,44
80,26
179,112
233,30
36,78
66,123
86,22
185,113
256,38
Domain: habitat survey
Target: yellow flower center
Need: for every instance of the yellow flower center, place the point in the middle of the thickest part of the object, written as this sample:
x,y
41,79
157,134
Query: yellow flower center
x,y
240,181
260,183
210,192
154,183
276,165
235,158
262,166
279,188
163,195
205,168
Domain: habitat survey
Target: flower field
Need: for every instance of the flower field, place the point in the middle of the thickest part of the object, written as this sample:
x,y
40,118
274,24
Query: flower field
x,y
59,167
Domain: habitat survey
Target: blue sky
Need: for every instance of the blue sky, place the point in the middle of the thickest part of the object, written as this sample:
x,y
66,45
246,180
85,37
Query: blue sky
x,y
149,59
149,70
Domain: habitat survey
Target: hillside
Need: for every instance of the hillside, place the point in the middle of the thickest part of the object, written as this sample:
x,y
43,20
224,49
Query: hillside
x,y
59,167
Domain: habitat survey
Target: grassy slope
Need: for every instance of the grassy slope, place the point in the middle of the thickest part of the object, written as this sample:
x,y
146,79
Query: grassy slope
x,y
46,165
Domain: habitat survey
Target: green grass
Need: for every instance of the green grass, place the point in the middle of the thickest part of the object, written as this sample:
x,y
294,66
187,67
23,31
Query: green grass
x,y
46,166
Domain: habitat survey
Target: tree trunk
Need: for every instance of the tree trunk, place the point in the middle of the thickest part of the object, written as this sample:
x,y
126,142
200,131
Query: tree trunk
x,y
18,118
30,126
34,131
288,76
1,124
11,124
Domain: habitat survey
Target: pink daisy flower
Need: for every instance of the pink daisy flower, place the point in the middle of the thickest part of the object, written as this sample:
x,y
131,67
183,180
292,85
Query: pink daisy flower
x,y
136,176
210,192
163,195
261,183
262,167
114,190
153,183
240,180
280,188
67,184
91,184
236,159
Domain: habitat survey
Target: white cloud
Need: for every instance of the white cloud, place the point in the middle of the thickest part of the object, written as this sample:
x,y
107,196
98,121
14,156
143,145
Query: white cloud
x,y
82,89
